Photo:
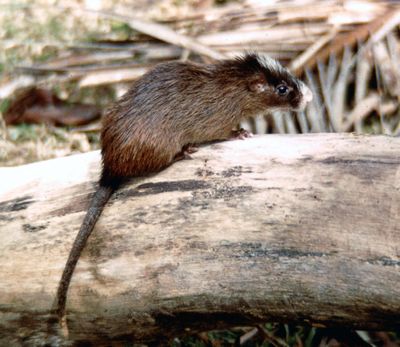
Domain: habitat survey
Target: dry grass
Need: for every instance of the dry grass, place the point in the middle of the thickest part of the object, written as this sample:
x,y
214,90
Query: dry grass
x,y
347,51
356,85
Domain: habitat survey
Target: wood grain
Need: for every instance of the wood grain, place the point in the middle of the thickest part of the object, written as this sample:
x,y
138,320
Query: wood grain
x,y
275,228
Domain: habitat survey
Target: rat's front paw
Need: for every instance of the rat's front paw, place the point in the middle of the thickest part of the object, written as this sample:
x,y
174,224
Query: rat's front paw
x,y
240,134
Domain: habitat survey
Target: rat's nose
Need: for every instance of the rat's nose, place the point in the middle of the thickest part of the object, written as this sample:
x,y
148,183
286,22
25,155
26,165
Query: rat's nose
x,y
307,94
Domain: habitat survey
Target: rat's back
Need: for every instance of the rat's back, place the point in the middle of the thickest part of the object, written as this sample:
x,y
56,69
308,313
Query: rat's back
x,y
144,131
181,103
141,133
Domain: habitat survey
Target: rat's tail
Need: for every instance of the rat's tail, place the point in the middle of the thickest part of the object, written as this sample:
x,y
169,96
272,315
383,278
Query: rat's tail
x,y
99,200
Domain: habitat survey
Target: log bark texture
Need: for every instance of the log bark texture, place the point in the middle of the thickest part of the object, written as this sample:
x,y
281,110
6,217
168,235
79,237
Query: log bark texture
x,y
275,228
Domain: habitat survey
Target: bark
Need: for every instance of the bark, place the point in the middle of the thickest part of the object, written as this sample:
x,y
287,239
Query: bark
x,y
275,228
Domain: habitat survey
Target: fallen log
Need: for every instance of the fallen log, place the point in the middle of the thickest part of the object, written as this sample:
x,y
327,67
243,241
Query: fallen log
x,y
274,228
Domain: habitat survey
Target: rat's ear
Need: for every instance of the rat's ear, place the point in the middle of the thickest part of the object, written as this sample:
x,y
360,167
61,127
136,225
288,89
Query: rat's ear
x,y
257,85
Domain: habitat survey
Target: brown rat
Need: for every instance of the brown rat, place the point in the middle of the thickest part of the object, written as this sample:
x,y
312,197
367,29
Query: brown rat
x,y
175,105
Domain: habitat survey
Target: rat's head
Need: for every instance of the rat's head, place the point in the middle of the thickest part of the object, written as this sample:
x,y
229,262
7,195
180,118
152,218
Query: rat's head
x,y
272,86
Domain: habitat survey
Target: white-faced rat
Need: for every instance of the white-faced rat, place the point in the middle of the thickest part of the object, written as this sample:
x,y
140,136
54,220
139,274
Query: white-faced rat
x,y
171,107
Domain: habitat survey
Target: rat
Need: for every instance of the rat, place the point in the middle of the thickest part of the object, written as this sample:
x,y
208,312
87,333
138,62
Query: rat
x,y
168,111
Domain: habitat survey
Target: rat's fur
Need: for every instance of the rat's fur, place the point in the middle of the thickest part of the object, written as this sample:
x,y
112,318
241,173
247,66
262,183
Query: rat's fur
x,y
174,105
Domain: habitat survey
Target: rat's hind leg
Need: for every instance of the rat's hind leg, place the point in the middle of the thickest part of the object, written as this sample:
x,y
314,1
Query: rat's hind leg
x,y
186,151
190,148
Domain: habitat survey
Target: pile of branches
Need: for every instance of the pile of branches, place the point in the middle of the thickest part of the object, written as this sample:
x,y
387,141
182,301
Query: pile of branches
x,y
347,51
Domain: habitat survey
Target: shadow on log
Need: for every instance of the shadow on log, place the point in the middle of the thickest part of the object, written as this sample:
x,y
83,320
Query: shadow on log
x,y
275,228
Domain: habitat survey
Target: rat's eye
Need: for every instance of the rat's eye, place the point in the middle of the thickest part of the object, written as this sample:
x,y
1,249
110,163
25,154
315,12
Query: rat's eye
x,y
282,90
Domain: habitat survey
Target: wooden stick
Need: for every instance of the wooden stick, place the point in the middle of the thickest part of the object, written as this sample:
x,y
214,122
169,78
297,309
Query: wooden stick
x,y
292,228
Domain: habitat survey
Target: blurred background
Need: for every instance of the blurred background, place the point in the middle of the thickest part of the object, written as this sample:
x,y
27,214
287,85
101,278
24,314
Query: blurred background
x,y
62,63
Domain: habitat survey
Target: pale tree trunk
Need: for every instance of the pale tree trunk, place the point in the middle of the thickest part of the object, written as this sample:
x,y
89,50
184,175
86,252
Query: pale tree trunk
x,y
275,228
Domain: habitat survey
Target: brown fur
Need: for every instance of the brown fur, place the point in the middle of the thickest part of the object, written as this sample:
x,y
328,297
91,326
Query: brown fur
x,y
178,104
170,107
